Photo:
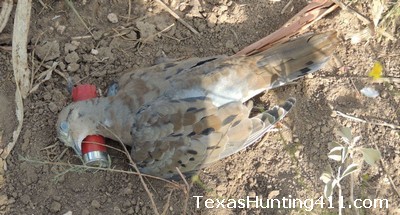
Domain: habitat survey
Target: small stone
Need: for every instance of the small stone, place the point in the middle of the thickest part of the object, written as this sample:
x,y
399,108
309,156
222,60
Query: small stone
x,y
75,43
73,67
95,204
61,29
69,47
53,107
72,57
62,66
126,204
130,211
229,44
85,212
252,194
273,194
127,191
68,213
94,52
261,169
3,200
25,199
48,51
55,207
112,17
117,210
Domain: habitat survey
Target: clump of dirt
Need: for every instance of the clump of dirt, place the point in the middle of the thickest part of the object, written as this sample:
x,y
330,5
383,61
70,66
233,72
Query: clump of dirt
x,y
287,164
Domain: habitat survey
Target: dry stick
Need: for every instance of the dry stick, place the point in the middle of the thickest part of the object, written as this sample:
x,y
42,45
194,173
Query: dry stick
x,y
129,9
387,173
385,124
186,190
167,204
177,17
71,5
286,6
136,169
99,168
20,67
6,9
352,11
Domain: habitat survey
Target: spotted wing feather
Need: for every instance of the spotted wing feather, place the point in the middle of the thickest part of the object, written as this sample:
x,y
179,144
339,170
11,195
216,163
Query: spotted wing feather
x,y
193,133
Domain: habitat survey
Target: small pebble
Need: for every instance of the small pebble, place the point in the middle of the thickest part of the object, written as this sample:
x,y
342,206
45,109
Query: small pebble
x,y
85,212
53,107
273,194
95,204
73,67
112,17
61,29
94,52
55,207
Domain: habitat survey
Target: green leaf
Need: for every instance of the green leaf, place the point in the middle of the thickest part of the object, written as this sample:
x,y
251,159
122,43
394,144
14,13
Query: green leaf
x,y
346,135
336,154
328,189
371,155
327,175
350,169
333,145
345,152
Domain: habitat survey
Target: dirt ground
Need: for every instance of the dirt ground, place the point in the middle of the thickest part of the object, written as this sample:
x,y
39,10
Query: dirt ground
x,y
286,164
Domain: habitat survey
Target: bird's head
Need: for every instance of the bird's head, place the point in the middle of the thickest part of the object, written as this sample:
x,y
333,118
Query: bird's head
x,y
75,122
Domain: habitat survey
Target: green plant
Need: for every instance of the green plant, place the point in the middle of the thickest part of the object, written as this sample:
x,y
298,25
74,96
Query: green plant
x,y
344,154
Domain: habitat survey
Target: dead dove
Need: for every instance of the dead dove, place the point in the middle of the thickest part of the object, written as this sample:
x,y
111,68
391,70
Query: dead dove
x,y
192,113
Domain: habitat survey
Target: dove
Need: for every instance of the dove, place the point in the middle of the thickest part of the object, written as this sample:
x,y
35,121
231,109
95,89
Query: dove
x,y
191,113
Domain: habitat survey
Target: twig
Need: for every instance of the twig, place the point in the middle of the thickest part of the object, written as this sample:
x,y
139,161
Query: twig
x,y
82,37
177,17
20,66
99,168
387,173
166,206
6,9
187,190
133,164
129,9
385,124
71,5
353,11
286,6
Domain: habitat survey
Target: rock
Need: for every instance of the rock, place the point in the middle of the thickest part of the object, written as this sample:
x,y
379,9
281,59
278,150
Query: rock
x,y
94,52
72,57
130,211
60,29
55,207
147,30
117,210
53,107
273,194
112,17
3,200
52,49
95,204
73,67
229,44
85,212
25,199
69,47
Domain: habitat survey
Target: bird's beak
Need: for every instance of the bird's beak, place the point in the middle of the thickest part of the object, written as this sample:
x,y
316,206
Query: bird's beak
x,y
77,146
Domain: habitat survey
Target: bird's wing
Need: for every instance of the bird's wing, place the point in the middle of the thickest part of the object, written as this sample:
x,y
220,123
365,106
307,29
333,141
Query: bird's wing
x,y
192,133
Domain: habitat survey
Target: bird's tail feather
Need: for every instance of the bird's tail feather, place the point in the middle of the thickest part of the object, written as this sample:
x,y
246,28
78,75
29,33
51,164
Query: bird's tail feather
x,y
291,60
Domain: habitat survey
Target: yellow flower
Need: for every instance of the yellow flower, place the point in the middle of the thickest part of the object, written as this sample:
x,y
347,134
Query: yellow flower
x,y
376,71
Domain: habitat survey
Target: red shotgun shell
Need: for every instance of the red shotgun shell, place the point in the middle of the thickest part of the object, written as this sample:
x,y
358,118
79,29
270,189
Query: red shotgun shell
x,y
94,150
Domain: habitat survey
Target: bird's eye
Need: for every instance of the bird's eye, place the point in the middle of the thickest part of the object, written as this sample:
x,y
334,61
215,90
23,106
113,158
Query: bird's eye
x,y
64,127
